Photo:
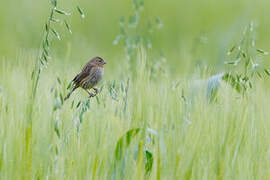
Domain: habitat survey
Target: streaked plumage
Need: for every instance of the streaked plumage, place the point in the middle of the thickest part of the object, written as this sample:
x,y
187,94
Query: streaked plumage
x,y
90,75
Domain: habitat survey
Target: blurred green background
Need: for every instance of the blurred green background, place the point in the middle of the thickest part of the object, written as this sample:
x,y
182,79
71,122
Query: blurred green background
x,y
228,138
198,31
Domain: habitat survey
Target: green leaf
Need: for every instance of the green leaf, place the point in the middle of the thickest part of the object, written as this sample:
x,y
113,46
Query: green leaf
x,y
226,77
54,3
87,104
81,12
57,105
229,62
69,85
42,62
243,54
259,74
44,56
245,78
56,150
267,71
55,20
250,84
238,87
56,129
45,51
72,104
262,52
58,80
56,33
81,117
78,104
122,87
231,50
62,12
68,27
149,161
101,88
213,84
46,27
47,42
44,46
32,74
124,142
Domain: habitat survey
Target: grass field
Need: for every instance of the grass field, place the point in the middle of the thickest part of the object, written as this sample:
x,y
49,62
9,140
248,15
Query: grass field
x,y
153,119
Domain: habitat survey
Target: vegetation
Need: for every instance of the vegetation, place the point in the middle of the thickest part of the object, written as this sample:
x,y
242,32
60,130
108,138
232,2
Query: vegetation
x,y
160,114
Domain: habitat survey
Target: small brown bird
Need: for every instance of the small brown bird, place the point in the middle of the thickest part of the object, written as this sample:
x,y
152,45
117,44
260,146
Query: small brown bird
x,y
91,74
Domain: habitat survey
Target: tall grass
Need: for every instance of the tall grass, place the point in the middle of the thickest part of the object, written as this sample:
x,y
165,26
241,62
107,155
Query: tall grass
x,y
143,125
41,62
227,139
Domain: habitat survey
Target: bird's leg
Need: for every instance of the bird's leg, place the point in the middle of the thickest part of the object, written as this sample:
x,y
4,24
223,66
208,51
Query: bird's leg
x,y
96,90
90,94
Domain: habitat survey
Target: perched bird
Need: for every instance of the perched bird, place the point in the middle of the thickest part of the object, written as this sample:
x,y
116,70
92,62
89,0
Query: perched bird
x,y
90,75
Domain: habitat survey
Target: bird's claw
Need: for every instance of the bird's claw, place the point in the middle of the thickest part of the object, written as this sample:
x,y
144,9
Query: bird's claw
x,y
92,95
96,90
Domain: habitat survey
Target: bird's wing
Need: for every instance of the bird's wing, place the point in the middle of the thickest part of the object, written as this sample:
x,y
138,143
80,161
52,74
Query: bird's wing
x,y
86,71
93,73
87,66
92,79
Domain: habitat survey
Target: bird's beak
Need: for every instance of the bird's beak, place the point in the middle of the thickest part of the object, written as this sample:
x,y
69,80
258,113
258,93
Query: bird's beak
x,y
105,62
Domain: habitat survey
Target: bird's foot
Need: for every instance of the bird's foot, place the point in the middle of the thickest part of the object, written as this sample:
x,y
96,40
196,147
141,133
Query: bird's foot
x,y
92,95
96,90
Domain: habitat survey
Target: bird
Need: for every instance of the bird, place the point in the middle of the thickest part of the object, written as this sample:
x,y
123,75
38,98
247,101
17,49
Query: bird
x,y
89,77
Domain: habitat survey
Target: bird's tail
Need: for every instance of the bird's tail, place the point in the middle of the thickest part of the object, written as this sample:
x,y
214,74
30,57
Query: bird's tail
x,y
68,95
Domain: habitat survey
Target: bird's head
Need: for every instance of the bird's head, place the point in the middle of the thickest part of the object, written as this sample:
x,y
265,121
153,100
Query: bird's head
x,y
98,61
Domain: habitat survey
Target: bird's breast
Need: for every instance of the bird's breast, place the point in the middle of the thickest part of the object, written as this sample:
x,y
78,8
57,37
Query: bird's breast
x,y
100,72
